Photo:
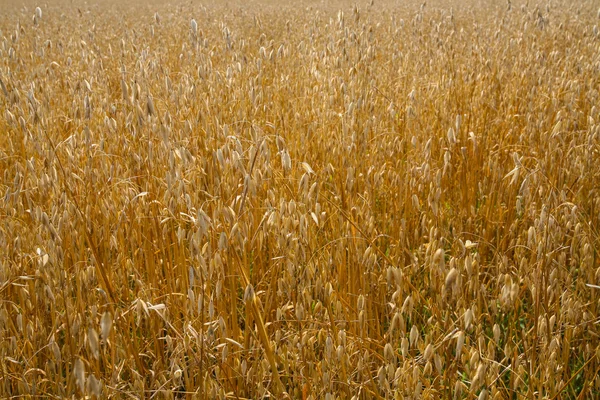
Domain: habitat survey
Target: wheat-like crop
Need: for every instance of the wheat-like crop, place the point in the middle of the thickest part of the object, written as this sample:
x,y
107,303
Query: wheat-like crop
x,y
374,199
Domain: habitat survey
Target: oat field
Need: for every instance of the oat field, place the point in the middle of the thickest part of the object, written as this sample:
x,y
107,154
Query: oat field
x,y
315,200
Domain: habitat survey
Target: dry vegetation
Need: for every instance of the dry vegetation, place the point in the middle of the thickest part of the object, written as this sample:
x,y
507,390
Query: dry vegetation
x,y
375,201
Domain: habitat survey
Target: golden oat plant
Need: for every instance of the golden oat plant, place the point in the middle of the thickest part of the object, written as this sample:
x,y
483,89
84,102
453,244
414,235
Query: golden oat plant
x,y
305,201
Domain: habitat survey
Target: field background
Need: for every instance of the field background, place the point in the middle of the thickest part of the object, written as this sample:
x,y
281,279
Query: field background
x,y
317,200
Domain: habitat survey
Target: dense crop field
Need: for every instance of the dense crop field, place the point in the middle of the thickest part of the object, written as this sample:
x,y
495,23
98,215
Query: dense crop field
x,y
312,201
